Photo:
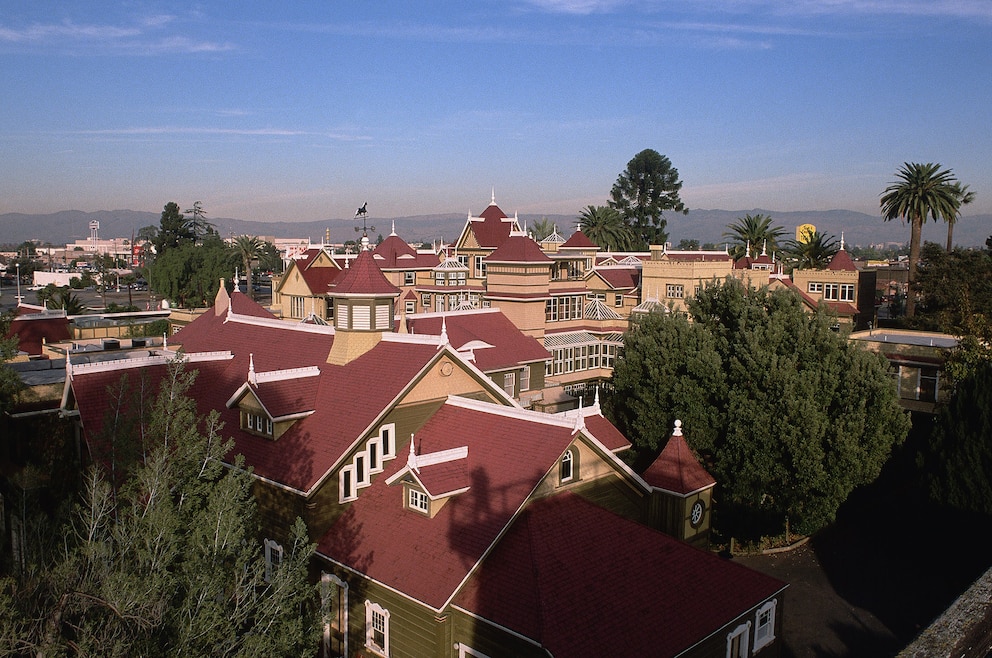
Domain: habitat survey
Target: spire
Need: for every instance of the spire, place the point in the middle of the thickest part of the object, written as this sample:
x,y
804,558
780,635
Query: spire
x,y
444,332
251,370
393,232
748,252
580,419
411,460
493,201
764,248
165,340
595,402
842,240
678,428
68,365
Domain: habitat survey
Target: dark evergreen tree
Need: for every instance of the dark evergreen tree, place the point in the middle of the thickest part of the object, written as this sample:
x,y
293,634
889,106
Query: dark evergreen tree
x,y
647,188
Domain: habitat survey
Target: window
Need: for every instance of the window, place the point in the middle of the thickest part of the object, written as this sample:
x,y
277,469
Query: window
x,y
409,278
831,291
525,378
410,307
387,433
255,422
362,469
425,300
273,558
764,627
508,383
463,260
382,319
737,641
346,483
343,317
847,292
334,615
814,287
438,278
329,314
928,384
297,306
675,291
567,464
418,500
618,299
375,454
480,266
376,628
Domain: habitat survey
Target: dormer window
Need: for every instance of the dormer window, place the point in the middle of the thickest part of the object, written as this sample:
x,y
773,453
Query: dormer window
x,y
256,423
419,501
567,466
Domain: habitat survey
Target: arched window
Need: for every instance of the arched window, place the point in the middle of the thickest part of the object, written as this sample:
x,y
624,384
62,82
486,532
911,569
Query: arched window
x,y
568,466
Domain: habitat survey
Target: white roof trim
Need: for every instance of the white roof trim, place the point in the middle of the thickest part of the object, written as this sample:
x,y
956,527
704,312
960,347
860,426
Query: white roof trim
x,y
276,323
510,412
159,359
287,374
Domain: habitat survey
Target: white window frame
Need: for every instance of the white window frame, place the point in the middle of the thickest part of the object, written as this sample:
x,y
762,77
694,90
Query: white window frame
x,y
297,306
567,467
362,466
618,299
764,633
409,278
327,581
374,450
508,383
372,611
814,286
744,630
525,378
831,292
465,651
675,291
387,436
418,500
847,292
410,307
273,558
345,475
480,267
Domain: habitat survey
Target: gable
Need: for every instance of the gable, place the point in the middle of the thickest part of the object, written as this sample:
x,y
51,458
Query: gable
x,y
449,376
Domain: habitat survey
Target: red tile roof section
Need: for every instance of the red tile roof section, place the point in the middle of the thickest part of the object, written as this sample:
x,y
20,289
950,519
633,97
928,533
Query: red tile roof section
x,y
445,478
842,262
287,397
493,228
539,579
518,249
364,278
606,433
428,558
625,278
578,240
677,469
31,332
393,253
510,346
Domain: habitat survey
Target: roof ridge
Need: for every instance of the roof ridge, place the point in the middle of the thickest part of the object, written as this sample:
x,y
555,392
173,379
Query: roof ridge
x,y
518,413
276,323
157,359
287,373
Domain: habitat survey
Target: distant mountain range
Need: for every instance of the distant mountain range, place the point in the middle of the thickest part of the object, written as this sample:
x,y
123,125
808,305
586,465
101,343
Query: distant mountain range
x,y
703,225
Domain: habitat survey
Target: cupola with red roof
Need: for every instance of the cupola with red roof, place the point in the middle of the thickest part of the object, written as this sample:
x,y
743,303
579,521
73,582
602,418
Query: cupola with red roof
x,y
683,489
364,302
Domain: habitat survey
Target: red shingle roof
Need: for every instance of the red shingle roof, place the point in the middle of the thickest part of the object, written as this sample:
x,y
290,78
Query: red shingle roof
x,y
518,249
31,328
364,278
578,240
510,346
677,469
428,558
564,553
493,228
842,262
393,253
620,278
606,433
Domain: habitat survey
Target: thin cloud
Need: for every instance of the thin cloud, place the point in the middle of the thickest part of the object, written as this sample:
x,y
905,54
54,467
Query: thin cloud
x,y
235,132
581,7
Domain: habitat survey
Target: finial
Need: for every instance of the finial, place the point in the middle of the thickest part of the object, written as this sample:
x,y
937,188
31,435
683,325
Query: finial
x,y
165,340
595,402
842,240
493,202
411,459
251,370
748,252
580,419
678,428
764,248
237,279
68,365
393,232
444,331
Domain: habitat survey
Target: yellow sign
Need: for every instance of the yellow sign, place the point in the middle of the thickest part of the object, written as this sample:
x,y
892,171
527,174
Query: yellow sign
x,y
804,233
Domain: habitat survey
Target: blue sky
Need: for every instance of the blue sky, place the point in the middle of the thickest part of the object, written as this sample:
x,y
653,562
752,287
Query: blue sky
x,y
308,110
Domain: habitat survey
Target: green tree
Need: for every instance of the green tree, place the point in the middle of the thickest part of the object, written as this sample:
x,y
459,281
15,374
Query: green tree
x,y
249,247
788,414
754,231
604,226
643,192
164,560
174,230
270,259
542,228
688,245
190,274
965,197
10,381
955,288
922,191
813,254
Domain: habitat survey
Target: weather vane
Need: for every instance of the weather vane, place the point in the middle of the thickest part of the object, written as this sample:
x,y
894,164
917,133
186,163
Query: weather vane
x,y
363,213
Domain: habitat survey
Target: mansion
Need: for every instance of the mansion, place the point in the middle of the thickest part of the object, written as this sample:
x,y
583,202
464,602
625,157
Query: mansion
x,y
569,295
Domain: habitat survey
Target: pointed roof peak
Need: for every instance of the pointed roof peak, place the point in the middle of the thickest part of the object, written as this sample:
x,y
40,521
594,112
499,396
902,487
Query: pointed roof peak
x,y
364,277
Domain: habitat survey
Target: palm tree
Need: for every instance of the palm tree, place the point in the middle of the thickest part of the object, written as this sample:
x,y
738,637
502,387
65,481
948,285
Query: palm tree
x,y
813,254
923,190
756,230
605,226
250,247
965,196
542,228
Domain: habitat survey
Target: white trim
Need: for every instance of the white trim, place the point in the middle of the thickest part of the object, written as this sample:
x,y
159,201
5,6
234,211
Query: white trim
x,y
272,548
371,610
743,631
331,579
509,631
287,374
144,361
276,323
350,471
764,634
465,651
